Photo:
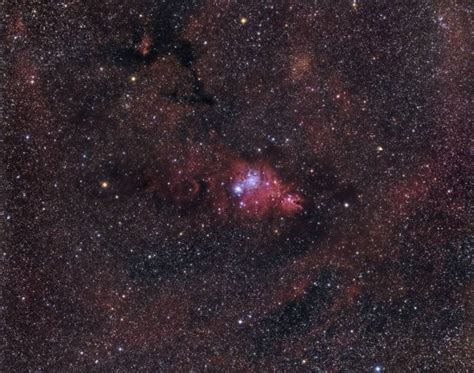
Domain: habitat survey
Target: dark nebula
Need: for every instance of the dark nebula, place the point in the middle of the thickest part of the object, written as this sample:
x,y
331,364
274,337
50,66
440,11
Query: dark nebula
x,y
262,186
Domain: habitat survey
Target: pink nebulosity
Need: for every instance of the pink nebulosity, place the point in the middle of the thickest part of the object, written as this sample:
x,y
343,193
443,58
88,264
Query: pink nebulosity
x,y
259,191
290,204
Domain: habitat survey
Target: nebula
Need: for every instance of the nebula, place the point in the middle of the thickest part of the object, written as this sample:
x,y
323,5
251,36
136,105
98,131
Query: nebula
x,y
259,191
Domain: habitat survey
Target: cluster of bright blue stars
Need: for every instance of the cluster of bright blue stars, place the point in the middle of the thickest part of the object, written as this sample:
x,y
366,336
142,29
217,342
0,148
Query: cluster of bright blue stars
x,y
251,181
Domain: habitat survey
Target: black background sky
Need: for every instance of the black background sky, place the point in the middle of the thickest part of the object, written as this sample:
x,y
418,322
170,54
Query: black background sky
x,y
237,186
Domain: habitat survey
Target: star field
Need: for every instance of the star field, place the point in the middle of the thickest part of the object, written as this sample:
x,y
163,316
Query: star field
x,y
237,186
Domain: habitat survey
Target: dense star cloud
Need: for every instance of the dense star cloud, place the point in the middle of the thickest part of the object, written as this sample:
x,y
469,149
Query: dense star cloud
x,y
236,186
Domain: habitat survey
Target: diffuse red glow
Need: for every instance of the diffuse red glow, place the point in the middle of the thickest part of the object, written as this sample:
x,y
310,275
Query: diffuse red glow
x,y
241,188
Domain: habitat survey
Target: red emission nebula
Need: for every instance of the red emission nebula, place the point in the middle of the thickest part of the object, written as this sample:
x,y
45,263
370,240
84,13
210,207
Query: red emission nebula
x,y
239,188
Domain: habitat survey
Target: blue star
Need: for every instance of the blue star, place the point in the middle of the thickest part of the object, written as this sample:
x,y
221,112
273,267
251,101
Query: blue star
x,y
378,368
237,189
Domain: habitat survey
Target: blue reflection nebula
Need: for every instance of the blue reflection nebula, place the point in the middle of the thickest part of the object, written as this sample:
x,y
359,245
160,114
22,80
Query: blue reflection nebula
x,y
251,181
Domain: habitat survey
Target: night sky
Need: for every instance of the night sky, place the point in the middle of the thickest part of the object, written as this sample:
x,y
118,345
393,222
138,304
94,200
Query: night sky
x,y
233,186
